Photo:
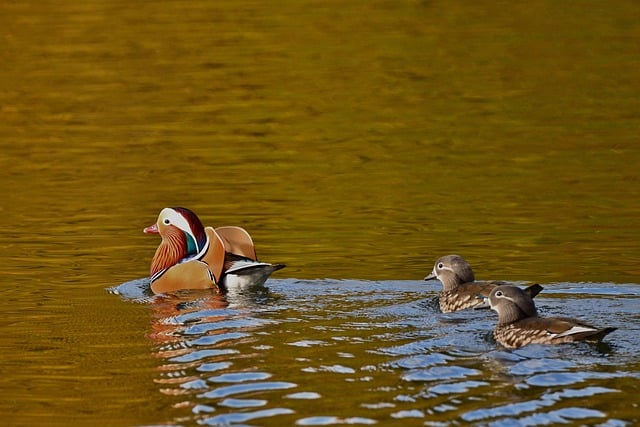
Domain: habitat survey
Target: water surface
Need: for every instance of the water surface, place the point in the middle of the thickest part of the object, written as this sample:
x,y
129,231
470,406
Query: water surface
x,y
357,141
335,352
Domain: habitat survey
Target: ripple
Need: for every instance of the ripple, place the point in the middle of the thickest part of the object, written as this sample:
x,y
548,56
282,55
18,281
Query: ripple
x,y
307,343
566,378
532,366
202,314
507,410
560,416
239,377
243,403
380,405
415,374
556,416
201,354
412,413
214,339
203,409
456,388
247,388
195,384
215,366
441,373
304,395
234,418
203,328
421,361
329,420
336,369
584,392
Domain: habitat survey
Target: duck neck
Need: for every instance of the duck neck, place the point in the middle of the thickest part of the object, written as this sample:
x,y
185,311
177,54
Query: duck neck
x,y
171,251
512,313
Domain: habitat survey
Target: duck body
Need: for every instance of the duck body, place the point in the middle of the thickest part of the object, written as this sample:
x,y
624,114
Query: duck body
x,y
465,296
460,289
191,256
519,324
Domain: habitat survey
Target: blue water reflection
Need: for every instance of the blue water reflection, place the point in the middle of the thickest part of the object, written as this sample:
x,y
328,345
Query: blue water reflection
x,y
373,352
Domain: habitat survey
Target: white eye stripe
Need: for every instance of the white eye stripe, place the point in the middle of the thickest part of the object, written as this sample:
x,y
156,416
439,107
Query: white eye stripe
x,y
174,218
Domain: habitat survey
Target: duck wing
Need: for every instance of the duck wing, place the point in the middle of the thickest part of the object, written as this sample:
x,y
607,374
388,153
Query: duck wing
x,y
237,241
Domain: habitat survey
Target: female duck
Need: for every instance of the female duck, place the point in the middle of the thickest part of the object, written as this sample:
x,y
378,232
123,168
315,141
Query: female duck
x,y
460,290
519,324
191,256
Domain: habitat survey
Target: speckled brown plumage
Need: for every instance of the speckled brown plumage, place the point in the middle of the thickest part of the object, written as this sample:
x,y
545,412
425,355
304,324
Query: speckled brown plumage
x,y
519,324
460,290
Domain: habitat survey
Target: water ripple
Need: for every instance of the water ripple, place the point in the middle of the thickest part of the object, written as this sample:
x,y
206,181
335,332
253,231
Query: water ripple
x,y
214,339
394,360
533,366
329,420
247,388
456,388
239,377
439,373
237,417
559,416
242,403
560,378
421,361
201,354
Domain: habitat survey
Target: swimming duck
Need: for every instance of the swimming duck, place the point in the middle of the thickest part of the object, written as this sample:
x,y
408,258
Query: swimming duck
x,y
191,256
519,324
460,290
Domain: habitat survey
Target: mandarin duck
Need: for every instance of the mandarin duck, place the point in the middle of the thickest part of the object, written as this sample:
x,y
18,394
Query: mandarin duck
x,y
519,324
191,256
460,290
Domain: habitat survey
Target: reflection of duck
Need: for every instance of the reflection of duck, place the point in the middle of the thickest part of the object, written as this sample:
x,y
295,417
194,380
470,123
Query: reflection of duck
x,y
191,256
460,290
519,324
173,314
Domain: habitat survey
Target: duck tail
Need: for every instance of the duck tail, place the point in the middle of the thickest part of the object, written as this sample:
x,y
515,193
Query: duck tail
x,y
533,290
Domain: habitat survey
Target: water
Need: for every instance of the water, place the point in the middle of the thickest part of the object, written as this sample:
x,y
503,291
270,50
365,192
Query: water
x,y
335,352
357,141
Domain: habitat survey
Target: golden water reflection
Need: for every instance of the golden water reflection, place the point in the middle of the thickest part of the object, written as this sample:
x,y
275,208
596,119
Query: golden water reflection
x,y
354,140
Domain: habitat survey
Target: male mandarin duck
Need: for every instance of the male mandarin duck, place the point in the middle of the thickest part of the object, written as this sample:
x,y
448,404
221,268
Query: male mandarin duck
x,y
460,290
191,256
519,324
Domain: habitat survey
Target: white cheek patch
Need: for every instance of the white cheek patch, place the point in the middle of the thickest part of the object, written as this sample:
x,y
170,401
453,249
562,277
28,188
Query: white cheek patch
x,y
179,221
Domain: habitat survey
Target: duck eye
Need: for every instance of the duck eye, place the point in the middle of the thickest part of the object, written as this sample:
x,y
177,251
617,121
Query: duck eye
x,y
167,221
440,266
499,293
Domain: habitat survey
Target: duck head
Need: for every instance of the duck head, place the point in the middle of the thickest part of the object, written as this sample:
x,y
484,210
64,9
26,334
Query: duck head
x,y
183,237
511,303
451,270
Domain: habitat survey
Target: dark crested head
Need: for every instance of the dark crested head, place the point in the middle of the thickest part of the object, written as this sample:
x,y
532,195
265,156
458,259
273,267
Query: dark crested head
x,y
511,303
192,227
184,221
451,270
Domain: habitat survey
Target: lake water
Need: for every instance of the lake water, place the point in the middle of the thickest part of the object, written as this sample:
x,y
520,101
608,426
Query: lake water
x,y
357,141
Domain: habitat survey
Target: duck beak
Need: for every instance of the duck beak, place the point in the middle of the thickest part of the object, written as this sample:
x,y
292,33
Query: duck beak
x,y
152,229
431,276
483,304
